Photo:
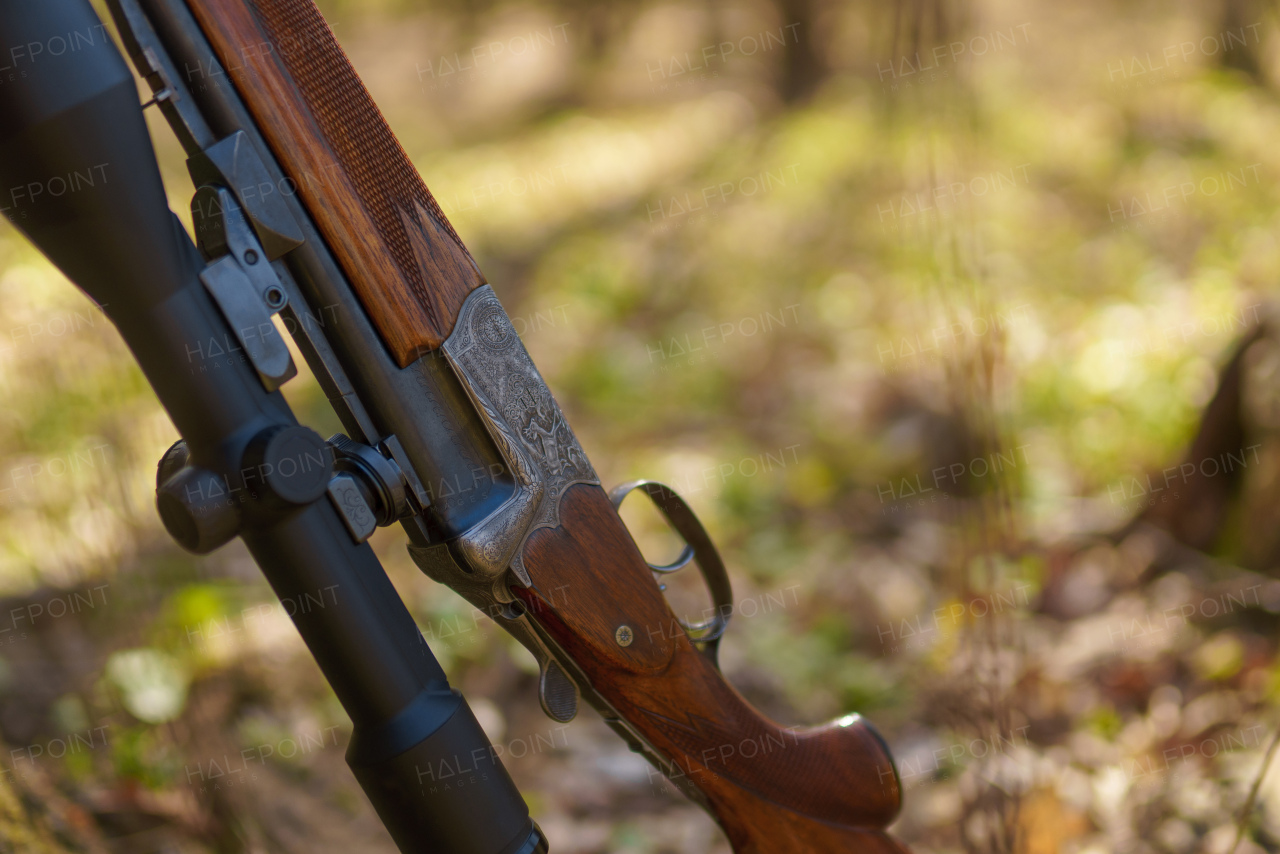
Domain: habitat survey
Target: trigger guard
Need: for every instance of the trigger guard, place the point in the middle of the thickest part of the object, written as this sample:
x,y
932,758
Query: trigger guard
x,y
699,549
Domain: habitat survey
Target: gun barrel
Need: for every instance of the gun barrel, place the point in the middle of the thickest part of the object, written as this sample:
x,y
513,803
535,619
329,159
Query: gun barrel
x,y
422,405
80,180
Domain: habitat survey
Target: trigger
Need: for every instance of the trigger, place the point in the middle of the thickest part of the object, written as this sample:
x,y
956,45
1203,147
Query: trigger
x,y
557,693
698,549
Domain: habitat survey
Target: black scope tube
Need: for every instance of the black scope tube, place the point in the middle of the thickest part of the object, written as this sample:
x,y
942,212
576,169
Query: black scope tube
x,y
78,176
423,404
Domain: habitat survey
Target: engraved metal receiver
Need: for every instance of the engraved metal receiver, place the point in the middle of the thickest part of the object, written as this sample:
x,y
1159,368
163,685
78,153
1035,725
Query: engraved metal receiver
x,y
531,434
526,424
541,450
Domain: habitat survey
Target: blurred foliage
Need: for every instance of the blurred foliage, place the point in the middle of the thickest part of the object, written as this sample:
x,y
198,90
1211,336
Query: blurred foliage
x,y
898,321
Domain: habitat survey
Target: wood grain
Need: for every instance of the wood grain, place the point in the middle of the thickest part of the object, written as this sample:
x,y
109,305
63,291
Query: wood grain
x,y
403,258
773,789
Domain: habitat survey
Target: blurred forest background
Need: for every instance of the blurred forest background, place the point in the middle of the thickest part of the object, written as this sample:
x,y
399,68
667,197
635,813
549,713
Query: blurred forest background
x,y
953,320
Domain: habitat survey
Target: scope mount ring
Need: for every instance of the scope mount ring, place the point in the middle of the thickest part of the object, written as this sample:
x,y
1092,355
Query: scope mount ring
x,y
698,549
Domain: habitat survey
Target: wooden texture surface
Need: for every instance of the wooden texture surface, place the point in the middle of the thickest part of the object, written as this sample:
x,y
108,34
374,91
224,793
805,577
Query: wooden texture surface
x,y
773,789
404,260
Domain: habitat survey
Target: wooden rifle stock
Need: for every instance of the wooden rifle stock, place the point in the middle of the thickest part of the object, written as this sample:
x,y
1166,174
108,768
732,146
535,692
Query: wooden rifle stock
x,y
406,263
774,790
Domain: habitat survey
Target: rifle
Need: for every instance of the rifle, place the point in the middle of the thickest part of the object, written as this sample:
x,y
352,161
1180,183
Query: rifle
x,y
309,214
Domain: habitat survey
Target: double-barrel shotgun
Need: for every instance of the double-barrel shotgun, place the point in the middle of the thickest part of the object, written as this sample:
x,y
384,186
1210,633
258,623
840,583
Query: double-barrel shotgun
x,y
309,217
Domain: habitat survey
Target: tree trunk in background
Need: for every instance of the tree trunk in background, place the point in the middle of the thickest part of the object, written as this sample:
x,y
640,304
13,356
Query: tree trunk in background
x,y
1243,18
1198,504
803,69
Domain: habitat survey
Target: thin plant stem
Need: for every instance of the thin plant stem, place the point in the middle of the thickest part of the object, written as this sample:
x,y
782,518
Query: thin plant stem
x,y
1253,792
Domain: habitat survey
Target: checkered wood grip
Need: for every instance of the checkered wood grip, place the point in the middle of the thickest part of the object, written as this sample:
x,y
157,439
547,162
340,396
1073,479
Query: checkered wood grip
x,y
402,257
